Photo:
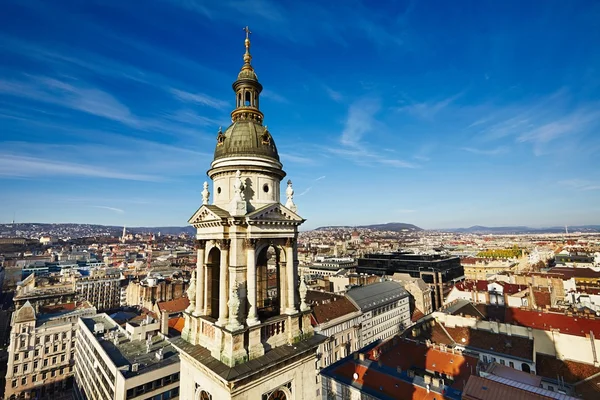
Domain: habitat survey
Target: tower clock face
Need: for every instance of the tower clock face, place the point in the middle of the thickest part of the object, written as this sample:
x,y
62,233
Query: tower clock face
x,y
278,395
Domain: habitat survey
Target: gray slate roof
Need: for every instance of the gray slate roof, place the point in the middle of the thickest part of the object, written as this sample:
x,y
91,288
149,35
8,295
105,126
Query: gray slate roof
x,y
376,294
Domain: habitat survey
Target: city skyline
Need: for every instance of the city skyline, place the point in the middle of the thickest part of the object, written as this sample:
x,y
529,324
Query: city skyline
x,y
442,116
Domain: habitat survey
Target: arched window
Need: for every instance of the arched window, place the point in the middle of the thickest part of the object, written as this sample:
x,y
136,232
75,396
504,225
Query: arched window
x,y
525,368
213,273
248,99
268,282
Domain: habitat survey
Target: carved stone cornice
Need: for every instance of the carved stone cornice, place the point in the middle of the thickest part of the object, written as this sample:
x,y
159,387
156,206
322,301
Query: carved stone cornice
x,y
224,244
250,244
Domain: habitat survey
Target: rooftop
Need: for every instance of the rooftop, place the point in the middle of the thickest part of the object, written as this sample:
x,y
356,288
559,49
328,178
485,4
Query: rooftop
x,y
125,353
376,294
571,371
474,339
172,306
328,311
402,369
271,359
502,389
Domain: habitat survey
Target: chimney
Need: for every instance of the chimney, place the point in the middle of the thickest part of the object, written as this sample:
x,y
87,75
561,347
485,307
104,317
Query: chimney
x,y
164,323
159,354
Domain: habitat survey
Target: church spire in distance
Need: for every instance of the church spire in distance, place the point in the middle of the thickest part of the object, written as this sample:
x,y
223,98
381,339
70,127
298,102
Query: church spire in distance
x,y
247,89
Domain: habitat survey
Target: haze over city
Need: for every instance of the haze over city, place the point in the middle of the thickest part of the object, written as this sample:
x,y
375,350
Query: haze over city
x,y
420,112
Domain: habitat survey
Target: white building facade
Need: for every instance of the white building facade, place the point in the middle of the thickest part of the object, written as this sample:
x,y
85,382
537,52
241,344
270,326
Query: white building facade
x,y
134,363
385,310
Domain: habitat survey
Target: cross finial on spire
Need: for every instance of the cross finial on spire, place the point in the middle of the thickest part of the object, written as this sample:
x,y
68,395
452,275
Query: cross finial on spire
x,y
247,56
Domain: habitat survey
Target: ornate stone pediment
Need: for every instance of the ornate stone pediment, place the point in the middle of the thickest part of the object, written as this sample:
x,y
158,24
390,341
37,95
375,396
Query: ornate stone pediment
x,y
274,213
209,213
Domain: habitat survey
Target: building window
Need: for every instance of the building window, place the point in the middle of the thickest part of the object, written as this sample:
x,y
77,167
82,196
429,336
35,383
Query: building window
x,y
24,381
502,362
14,383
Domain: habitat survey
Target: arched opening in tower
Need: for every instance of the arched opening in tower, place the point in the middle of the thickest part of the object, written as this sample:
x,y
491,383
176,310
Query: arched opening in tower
x,y
248,99
268,282
213,272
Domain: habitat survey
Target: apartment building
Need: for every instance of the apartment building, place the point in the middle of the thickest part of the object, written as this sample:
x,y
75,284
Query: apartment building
x,y
421,293
154,288
41,350
385,310
102,290
339,320
116,363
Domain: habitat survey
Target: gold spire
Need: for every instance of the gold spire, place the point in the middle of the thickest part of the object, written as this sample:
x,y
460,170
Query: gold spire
x,y
247,56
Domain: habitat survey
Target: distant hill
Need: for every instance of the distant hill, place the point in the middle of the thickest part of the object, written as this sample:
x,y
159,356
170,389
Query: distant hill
x,y
390,226
35,230
477,229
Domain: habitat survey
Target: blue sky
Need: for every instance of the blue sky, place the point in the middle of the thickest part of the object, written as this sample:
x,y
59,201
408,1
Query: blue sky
x,y
441,114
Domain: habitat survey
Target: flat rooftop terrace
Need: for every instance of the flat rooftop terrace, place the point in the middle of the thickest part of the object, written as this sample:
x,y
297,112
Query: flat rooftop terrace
x,y
124,352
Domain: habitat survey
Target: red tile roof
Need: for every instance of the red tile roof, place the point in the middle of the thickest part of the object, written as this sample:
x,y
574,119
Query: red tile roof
x,y
482,286
409,355
572,372
388,385
176,305
58,308
177,323
568,273
516,346
334,309
482,388
542,297
416,315
573,325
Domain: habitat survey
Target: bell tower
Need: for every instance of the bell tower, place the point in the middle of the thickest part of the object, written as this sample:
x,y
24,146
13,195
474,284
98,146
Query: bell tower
x,y
247,330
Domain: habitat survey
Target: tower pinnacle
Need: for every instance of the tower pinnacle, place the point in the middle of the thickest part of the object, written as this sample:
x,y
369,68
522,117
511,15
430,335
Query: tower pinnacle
x,y
247,55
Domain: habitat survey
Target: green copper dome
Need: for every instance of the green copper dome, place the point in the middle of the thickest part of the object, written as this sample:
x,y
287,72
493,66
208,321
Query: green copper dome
x,y
246,138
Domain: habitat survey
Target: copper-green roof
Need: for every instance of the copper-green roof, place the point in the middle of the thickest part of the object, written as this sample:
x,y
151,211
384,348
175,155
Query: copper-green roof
x,y
246,138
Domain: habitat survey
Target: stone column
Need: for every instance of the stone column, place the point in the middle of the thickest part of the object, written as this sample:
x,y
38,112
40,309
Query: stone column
x,y
250,245
205,293
289,259
200,246
223,274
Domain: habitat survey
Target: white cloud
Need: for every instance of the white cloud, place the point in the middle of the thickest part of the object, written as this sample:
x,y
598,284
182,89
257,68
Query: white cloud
x,y
429,109
199,98
487,152
16,166
75,97
293,158
333,94
269,94
360,120
305,191
117,210
580,184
